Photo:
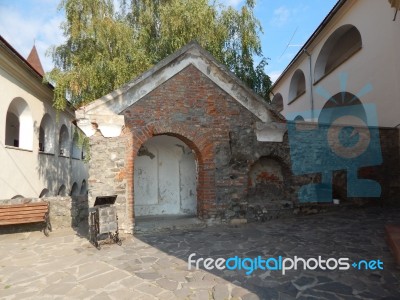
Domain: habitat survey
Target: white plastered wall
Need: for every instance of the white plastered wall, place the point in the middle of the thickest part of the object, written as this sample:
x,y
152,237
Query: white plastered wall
x,y
377,63
27,172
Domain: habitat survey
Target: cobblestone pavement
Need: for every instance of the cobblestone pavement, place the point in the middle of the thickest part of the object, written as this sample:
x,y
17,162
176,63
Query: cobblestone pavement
x,y
154,265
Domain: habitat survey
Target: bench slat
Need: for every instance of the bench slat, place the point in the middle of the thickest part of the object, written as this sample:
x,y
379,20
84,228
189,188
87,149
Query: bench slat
x,y
22,212
32,215
19,206
22,206
19,221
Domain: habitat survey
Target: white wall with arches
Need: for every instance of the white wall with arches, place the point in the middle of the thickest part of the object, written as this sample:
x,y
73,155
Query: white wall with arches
x,y
29,134
361,43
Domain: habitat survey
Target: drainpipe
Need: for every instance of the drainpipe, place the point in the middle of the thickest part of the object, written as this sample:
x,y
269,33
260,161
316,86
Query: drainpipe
x,y
311,85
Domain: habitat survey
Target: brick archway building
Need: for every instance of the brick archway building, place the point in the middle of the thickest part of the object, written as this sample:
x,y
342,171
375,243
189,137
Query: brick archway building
x,y
189,95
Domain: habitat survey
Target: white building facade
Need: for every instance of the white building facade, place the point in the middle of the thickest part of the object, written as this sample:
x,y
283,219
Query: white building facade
x,y
38,152
351,58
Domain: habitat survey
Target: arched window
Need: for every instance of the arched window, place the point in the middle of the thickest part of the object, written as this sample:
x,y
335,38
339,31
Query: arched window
x,y
74,190
64,141
84,153
12,130
348,106
76,150
83,188
46,135
19,125
344,42
62,191
298,119
44,193
277,102
297,85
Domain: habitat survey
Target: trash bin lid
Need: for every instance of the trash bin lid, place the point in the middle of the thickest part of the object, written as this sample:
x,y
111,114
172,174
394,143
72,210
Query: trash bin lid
x,y
105,200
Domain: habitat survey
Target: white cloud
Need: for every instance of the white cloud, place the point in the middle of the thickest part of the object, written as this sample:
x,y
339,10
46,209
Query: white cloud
x,y
233,3
274,75
21,31
281,16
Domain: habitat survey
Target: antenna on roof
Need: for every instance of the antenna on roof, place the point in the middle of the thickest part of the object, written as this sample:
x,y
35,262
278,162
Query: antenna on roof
x,y
288,44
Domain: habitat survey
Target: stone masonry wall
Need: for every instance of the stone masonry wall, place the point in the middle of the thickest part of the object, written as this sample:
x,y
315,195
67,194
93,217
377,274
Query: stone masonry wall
x,y
378,162
108,171
285,186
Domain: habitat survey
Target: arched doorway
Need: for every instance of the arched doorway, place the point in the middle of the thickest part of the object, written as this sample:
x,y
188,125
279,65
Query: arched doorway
x,y
165,178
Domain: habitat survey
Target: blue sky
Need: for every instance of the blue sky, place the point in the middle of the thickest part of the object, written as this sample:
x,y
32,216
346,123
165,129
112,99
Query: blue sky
x,y
287,24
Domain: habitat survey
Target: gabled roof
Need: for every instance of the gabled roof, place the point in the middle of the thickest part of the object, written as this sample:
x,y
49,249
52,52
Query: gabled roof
x,y
191,54
34,60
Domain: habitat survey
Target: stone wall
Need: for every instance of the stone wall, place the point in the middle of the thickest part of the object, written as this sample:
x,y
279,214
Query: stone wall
x,y
65,212
108,172
273,189
376,162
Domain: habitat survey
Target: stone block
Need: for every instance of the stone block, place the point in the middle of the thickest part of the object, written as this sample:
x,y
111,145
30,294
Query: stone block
x,y
238,221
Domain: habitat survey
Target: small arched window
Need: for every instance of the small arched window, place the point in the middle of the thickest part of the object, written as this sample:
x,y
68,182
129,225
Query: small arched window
x,y
46,135
64,141
62,191
277,102
84,153
83,188
19,125
74,190
343,42
44,193
297,85
76,150
298,119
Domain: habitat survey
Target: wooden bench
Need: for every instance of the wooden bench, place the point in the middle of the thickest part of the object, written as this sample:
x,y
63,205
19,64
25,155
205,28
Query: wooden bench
x,y
26,213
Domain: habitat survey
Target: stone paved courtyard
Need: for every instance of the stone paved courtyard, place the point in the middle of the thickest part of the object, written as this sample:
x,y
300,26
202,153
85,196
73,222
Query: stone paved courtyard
x,y
154,265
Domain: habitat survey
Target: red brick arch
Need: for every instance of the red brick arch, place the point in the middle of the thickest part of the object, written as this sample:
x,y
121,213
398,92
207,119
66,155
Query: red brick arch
x,y
198,140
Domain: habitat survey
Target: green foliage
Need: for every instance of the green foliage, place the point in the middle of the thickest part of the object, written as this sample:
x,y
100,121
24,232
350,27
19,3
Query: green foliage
x,y
100,53
242,44
82,141
230,35
105,49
